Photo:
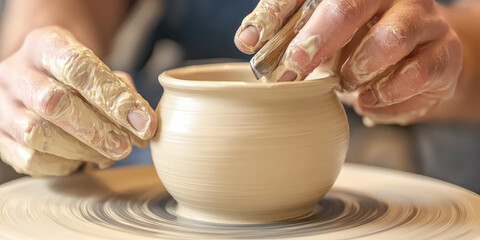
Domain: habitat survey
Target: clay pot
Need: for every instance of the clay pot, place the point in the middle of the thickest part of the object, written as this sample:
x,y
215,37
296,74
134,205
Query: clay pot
x,y
232,150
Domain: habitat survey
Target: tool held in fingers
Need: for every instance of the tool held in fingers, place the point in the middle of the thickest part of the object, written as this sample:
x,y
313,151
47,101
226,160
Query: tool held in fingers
x,y
267,59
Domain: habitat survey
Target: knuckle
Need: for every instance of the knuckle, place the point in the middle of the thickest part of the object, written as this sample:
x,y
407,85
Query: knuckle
x,y
442,26
268,17
21,132
273,12
298,56
345,11
78,66
454,44
52,100
40,34
271,7
410,79
297,59
32,37
439,62
278,10
420,77
393,37
454,39
402,32
446,64
387,93
70,62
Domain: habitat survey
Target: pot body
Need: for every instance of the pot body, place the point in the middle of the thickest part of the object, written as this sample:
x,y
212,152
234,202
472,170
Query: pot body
x,y
243,152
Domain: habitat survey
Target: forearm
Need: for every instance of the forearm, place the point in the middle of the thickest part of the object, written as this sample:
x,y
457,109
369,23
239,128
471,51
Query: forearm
x,y
464,17
93,22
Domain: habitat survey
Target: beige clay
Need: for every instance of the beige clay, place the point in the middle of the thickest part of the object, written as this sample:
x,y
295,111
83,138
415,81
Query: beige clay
x,y
131,203
229,153
233,150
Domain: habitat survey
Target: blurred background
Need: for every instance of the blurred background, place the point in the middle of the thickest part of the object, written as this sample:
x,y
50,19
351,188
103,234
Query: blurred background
x,y
160,35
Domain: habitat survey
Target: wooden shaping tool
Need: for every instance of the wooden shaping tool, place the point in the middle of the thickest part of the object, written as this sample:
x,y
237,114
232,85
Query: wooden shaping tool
x,y
266,60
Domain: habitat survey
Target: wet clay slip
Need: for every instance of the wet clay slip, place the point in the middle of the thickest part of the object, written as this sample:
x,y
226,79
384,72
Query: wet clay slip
x,y
230,149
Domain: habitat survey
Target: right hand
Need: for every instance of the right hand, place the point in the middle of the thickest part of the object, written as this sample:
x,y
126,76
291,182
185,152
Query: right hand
x,y
60,105
402,59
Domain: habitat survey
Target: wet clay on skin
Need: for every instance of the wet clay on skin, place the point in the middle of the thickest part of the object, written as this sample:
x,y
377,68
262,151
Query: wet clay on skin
x,y
267,17
90,103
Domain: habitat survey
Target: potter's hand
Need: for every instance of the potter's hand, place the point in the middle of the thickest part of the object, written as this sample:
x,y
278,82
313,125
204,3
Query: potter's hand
x,y
60,105
403,60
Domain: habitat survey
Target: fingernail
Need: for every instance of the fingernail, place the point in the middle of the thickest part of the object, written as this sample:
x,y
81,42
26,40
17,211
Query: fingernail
x,y
368,98
384,91
288,76
249,36
138,120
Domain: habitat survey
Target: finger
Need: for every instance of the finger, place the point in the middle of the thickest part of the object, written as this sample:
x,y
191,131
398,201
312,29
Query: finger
x,y
28,161
55,103
126,78
412,110
262,24
57,52
403,27
334,62
331,26
28,128
48,138
433,69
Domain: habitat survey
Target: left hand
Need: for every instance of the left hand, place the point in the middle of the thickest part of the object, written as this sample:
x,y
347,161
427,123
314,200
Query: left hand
x,y
60,105
401,57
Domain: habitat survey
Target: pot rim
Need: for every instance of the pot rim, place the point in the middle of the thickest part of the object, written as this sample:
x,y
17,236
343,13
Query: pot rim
x,y
168,79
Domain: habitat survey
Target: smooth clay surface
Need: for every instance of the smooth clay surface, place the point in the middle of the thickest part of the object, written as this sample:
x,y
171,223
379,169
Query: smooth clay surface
x,y
131,203
234,150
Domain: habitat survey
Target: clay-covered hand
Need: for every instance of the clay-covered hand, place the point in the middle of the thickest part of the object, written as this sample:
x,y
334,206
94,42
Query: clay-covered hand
x,y
400,58
60,105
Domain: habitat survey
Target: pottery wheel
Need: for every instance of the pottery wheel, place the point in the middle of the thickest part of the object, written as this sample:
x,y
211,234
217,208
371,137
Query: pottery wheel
x,y
130,203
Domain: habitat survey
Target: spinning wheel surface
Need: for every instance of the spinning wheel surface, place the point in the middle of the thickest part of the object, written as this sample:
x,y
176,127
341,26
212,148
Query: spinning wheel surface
x,y
131,203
